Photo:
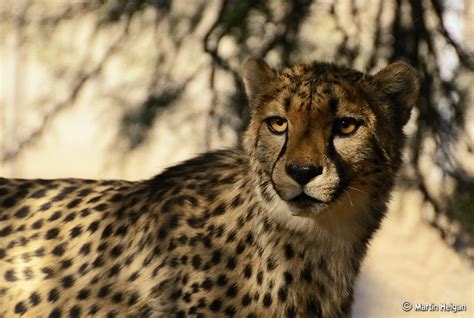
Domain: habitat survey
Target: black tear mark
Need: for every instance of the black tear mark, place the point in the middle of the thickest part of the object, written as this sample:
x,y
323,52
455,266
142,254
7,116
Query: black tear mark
x,y
333,103
282,152
287,103
258,136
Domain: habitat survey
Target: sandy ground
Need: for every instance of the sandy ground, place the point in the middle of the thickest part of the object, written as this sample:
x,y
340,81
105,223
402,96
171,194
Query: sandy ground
x,y
408,261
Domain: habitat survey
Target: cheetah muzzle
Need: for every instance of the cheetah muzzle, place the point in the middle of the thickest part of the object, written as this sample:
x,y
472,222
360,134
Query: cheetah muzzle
x,y
277,229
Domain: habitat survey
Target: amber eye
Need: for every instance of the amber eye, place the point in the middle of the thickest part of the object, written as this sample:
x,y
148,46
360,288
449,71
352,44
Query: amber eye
x,y
346,125
277,125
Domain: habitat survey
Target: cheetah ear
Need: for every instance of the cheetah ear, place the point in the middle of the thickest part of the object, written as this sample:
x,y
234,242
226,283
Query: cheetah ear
x,y
256,75
401,84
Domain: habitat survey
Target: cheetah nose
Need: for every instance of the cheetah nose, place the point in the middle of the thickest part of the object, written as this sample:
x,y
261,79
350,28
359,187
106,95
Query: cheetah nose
x,y
303,173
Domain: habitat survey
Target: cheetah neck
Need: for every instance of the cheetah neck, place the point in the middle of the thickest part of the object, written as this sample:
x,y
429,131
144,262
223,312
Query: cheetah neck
x,y
339,235
300,257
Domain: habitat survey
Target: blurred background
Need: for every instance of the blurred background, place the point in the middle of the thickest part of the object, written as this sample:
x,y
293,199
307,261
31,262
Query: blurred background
x,y
124,88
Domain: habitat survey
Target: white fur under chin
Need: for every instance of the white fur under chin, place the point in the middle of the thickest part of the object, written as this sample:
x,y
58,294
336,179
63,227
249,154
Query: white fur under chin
x,y
348,212
283,213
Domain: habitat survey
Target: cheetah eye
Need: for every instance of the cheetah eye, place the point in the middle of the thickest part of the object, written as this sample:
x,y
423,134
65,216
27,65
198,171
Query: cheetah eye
x,y
346,126
277,125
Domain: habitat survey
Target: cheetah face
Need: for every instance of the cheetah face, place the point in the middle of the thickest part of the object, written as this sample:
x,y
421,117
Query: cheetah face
x,y
321,132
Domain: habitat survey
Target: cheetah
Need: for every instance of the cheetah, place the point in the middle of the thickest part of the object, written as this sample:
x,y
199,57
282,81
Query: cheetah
x,y
276,228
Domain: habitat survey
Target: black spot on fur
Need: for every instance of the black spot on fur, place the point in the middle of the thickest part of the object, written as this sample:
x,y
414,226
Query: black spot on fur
x,y
107,231
38,194
121,231
94,309
187,297
10,276
306,273
49,273
73,203
291,312
53,295
283,294
117,298
98,262
85,212
70,217
39,252
116,197
59,250
314,307
56,215
68,281
260,277
22,212
219,210
37,224
231,263
85,249
288,278
103,291
114,270
62,195
8,202
207,284
289,252
246,300
66,263
83,294
52,233
133,299
232,291
75,231
196,261
240,248
271,264
116,251
134,276
102,247
247,271
222,280
215,305
267,300
230,311
35,299
216,257
93,226
75,311
20,308
7,230
84,192
55,313
46,206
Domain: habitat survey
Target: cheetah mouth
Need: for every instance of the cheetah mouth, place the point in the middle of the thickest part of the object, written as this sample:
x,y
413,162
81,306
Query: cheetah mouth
x,y
304,199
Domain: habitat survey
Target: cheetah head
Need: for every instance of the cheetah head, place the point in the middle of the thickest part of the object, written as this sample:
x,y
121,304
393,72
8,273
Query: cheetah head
x,y
321,132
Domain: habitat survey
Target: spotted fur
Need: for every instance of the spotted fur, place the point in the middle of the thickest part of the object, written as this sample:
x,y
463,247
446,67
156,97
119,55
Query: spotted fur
x,y
220,235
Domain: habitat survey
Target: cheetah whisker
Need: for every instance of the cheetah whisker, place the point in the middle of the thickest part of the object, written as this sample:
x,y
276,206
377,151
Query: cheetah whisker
x,y
349,195
362,191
